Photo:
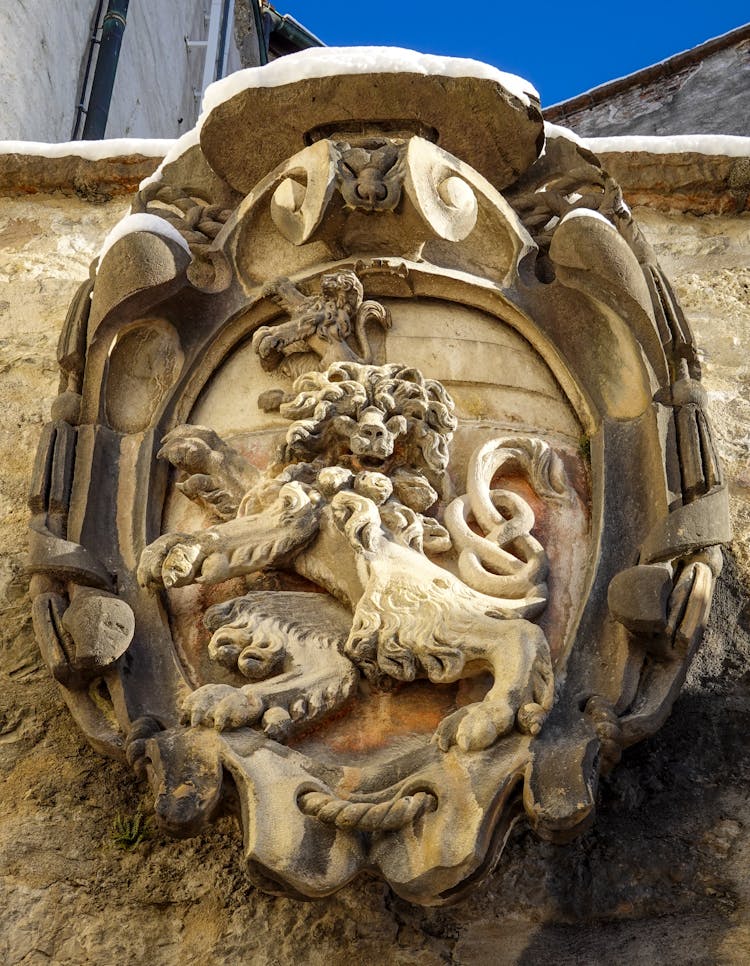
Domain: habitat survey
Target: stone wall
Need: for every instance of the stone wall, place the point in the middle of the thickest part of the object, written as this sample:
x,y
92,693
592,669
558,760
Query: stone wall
x,y
662,877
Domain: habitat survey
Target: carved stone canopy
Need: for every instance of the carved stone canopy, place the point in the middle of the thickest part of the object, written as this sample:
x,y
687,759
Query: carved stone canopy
x,y
379,501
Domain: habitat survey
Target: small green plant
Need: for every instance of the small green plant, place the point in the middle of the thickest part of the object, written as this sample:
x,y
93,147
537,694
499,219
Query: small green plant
x,y
129,831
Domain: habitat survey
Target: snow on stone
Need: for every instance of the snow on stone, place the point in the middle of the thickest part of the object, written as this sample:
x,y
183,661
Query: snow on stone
x,y
90,150
176,149
142,222
717,145
556,131
585,213
333,61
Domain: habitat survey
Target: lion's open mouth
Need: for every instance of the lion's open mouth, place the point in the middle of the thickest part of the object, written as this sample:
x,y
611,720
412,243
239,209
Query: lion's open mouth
x,y
376,463
272,345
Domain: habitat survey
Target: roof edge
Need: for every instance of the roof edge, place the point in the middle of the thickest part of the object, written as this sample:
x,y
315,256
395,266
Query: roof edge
x,y
664,68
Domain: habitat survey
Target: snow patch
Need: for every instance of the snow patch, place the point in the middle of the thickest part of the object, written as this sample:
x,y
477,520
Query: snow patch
x,y
334,61
556,131
90,150
717,145
585,213
142,222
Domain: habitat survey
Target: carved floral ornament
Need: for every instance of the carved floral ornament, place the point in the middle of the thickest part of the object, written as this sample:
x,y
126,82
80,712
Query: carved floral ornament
x,y
379,498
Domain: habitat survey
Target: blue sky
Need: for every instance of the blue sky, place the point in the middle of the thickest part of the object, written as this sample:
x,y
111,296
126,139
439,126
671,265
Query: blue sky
x,y
563,48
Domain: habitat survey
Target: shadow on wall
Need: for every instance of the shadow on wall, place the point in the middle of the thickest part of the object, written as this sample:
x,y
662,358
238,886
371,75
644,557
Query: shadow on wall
x,y
660,877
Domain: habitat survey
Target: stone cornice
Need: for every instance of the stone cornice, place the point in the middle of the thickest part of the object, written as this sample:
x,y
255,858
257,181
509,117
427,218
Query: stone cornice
x,y
683,181
93,179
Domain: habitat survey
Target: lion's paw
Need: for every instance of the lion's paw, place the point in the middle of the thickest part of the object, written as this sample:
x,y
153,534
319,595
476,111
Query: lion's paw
x,y
475,727
193,449
531,718
277,723
256,659
222,707
174,559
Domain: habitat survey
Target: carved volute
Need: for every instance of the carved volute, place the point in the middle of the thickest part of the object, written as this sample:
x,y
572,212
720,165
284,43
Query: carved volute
x,y
380,496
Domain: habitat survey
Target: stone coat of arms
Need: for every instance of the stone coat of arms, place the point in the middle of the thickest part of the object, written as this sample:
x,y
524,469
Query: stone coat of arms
x,y
379,502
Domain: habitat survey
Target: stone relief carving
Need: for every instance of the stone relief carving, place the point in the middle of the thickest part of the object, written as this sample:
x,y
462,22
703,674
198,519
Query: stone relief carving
x,y
370,174
320,325
344,507
385,507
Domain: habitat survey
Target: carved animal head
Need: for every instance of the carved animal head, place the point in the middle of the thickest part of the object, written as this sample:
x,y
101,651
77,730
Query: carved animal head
x,y
370,176
371,436
343,288
380,416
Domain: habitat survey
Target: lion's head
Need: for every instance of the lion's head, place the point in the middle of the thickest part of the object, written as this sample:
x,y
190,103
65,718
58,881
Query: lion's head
x,y
374,417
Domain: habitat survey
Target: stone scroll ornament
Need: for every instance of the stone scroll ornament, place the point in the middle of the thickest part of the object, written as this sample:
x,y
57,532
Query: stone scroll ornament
x,y
379,500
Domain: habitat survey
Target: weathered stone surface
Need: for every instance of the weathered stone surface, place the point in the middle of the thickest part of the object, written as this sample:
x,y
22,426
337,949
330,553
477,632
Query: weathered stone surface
x,y
476,120
91,180
632,883
708,260
697,184
368,500
642,592
663,874
101,627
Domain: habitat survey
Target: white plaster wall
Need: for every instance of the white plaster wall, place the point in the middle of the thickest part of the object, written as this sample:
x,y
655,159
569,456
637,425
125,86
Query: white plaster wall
x,y
43,46
156,77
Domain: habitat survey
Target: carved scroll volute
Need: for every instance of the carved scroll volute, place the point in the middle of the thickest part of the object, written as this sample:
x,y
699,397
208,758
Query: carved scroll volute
x,y
457,205
301,199
280,216
431,199
441,196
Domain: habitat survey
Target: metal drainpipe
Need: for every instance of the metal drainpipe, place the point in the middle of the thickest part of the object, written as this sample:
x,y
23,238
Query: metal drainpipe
x,y
93,42
212,43
225,33
260,31
100,98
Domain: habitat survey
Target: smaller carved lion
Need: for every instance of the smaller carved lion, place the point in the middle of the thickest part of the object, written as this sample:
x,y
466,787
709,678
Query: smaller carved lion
x,y
321,326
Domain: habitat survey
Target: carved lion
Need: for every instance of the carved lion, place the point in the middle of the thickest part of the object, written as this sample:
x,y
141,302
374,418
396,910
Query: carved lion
x,y
351,506
320,328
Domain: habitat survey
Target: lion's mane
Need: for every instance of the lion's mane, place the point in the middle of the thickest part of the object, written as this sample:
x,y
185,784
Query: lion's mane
x,y
348,388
